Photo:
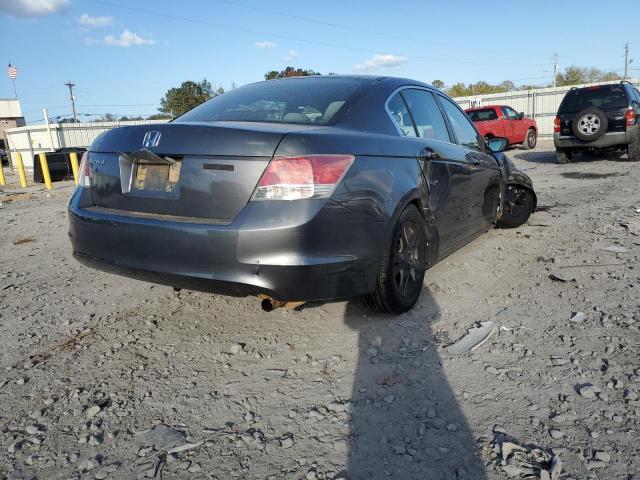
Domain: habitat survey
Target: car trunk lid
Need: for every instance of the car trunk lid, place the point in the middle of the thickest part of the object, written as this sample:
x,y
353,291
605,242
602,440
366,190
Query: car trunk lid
x,y
181,171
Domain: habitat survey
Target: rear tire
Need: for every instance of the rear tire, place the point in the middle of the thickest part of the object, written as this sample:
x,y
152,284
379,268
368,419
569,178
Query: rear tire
x,y
563,156
633,149
518,207
530,139
401,273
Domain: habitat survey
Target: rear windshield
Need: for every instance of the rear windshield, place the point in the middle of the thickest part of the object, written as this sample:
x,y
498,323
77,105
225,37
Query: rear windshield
x,y
302,101
482,115
604,96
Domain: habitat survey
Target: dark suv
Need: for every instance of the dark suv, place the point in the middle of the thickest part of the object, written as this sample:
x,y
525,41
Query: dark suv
x,y
601,117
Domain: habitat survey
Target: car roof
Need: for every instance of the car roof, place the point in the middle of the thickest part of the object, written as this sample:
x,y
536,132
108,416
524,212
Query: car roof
x,y
394,81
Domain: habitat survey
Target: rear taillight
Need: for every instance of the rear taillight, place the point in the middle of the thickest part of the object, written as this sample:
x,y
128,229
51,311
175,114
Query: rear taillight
x,y
84,180
296,178
556,125
631,117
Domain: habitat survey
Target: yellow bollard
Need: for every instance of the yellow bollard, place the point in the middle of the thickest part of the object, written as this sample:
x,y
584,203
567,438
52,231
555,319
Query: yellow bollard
x,y
3,181
45,170
73,156
23,177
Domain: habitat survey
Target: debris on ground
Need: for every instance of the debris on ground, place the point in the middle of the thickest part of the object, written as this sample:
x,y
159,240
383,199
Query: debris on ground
x,y
475,337
526,461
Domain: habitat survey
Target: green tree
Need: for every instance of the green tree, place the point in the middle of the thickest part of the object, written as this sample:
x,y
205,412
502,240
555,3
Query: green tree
x,y
438,84
159,116
289,72
108,117
187,96
128,119
574,75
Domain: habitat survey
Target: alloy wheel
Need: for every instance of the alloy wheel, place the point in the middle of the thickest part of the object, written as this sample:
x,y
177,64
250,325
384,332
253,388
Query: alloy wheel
x,y
406,259
589,124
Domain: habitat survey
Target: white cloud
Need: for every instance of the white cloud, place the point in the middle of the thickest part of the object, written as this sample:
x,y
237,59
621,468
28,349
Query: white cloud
x,y
381,61
127,39
94,22
265,44
33,8
293,54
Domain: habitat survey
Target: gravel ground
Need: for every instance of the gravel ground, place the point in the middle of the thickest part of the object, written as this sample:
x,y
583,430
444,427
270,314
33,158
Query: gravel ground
x,y
106,377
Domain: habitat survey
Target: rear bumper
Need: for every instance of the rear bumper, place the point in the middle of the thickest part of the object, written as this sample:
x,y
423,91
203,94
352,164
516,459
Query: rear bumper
x,y
320,251
610,139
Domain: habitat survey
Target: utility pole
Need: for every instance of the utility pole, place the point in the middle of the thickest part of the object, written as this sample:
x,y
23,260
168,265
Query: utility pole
x,y
626,60
73,100
555,68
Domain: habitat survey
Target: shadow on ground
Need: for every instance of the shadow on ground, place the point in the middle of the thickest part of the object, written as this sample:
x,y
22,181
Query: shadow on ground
x,y
405,422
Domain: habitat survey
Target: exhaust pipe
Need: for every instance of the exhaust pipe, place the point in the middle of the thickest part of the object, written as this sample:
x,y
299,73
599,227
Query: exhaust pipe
x,y
269,304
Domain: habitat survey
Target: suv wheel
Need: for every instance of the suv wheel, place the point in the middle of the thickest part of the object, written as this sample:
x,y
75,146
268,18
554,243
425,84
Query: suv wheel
x,y
633,149
563,156
399,282
530,139
590,124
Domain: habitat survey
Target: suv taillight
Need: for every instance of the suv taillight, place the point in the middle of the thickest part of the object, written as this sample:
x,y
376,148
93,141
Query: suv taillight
x,y
84,181
556,125
297,178
631,117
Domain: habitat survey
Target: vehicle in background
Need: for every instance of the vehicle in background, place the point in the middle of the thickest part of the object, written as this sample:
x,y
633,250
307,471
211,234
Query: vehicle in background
x,y
307,188
4,157
504,121
59,164
596,118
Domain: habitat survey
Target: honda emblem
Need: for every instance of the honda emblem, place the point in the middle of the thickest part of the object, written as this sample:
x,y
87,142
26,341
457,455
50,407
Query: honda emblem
x,y
151,139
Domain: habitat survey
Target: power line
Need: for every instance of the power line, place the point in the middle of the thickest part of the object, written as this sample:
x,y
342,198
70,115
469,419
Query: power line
x,y
260,33
350,28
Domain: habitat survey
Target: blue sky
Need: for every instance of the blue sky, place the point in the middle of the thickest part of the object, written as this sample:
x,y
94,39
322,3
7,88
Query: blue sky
x,y
123,54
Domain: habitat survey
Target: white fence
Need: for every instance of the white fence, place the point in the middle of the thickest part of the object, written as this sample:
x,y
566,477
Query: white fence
x,y
541,104
34,139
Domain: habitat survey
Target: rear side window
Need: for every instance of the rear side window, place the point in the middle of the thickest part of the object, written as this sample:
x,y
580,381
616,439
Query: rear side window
x,y
301,101
426,114
462,127
400,115
483,115
601,96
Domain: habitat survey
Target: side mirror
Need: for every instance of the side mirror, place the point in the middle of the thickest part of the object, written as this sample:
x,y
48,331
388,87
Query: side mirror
x,y
498,144
520,115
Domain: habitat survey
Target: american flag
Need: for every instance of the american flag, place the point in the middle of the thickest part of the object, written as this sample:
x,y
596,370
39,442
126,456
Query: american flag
x,y
12,71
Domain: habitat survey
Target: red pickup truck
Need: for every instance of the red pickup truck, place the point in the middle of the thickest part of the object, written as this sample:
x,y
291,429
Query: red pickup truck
x,y
504,121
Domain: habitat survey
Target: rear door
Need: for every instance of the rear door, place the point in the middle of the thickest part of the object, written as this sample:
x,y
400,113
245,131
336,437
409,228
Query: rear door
x,y
443,162
484,179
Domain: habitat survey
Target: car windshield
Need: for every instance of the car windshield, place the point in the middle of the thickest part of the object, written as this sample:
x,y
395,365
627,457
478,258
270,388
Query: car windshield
x,y
482,115
603,96
302,101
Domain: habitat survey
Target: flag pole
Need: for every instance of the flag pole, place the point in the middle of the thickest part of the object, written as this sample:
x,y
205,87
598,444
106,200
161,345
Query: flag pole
x,y
15,92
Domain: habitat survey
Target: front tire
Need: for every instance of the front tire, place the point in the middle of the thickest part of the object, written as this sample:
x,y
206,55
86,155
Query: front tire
x,y
518,207
530,139
401,273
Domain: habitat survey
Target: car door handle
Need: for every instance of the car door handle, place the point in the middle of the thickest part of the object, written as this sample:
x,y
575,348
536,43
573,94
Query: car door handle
x,y
427,153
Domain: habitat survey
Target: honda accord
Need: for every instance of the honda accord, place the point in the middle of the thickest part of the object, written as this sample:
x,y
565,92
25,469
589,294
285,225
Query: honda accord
x,y
295,190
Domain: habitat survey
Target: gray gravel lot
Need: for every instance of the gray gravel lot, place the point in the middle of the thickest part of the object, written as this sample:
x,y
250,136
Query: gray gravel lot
x,y
107,377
